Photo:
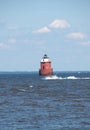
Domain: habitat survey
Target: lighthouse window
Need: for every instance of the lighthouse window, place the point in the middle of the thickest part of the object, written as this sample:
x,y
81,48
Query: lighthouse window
x,y
43,67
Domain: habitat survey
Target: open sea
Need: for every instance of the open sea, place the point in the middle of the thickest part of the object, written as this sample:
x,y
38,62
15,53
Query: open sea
x,y
32,102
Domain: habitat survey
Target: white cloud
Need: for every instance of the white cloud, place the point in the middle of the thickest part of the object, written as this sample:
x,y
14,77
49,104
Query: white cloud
x,y
2,21
8,43
85,43
59,24
11,41
1,44
42,30
12,28
76,35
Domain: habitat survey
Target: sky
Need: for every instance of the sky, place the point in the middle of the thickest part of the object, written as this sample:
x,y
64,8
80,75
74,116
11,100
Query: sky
x,y
31,28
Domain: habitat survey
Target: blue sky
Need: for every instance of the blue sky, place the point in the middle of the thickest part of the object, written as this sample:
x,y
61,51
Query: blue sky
x,y
31,28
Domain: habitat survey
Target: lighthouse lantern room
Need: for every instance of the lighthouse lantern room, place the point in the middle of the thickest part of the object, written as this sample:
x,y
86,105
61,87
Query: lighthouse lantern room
x,y
45,66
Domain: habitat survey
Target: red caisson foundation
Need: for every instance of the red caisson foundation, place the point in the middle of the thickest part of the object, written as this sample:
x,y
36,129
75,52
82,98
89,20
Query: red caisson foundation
x,y
45,66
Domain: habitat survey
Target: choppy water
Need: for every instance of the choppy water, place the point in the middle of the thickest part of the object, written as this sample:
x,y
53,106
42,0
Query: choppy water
x,y
31,102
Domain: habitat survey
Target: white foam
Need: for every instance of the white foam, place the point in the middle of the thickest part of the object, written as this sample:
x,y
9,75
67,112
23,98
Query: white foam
x,y
71,77
85,78
55,77
51,77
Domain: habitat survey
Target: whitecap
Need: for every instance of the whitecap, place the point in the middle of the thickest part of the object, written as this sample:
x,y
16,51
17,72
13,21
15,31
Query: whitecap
x,y
51,77
22,90
71,77
30,86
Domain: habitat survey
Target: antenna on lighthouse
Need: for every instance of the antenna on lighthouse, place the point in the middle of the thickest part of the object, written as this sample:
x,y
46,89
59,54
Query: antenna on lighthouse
x,y
45,66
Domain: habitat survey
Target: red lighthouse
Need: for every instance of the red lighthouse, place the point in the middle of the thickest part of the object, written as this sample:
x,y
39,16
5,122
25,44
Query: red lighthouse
x,y
45,65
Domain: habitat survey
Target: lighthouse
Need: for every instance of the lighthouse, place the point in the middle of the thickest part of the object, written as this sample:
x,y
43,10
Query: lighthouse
x,y
45,66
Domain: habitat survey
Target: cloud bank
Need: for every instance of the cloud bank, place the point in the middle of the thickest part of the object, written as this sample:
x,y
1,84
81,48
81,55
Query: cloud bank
x,y
62,24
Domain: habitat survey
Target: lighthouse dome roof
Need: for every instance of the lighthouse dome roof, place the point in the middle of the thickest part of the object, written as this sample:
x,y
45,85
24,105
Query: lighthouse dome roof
x,y
45,59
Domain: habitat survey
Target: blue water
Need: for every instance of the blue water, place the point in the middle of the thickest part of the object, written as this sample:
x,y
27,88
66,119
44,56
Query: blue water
x,y
32,102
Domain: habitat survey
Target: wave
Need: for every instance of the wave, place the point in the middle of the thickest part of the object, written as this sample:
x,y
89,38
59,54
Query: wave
x,y
55,77
17,90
